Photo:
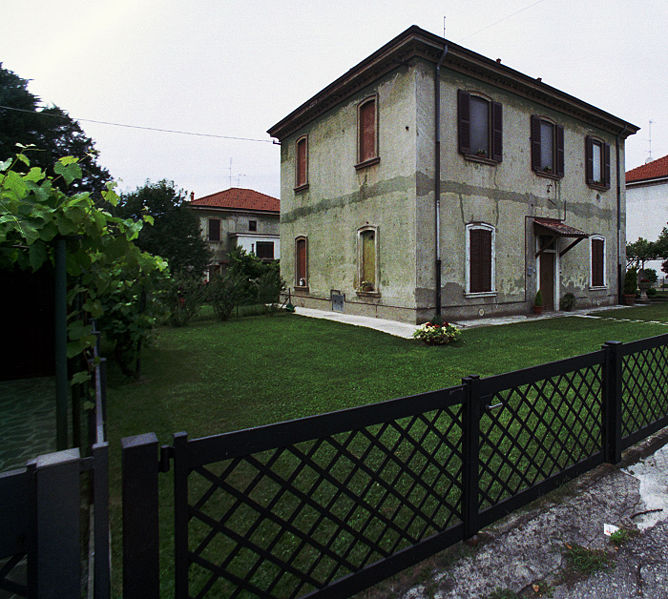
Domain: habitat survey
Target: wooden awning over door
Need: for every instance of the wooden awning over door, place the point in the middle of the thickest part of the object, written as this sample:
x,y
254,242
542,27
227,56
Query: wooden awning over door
x,y
555,228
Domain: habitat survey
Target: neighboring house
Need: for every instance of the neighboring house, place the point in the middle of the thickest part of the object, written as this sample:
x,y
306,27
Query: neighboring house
x,y
647,205
401,199
239,217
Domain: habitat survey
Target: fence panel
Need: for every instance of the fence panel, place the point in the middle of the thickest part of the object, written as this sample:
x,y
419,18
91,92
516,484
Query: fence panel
x,y
15,530
644,388
538,426
338,501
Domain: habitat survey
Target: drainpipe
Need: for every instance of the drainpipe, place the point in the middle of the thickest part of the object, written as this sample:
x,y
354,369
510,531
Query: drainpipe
x,y
437,174
620,274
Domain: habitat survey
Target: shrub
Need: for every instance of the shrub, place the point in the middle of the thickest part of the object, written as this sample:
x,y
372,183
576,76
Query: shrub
x,y
567,302
223,293
649,274
538,301
651,292
630,281
436,334
185,296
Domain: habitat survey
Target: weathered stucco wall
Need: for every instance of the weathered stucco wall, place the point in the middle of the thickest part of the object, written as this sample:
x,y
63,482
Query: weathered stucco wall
x,y
340,200
504,195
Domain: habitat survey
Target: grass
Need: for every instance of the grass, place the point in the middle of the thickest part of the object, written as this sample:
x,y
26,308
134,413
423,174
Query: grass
x,y
622,536
655,311
212,377
585,561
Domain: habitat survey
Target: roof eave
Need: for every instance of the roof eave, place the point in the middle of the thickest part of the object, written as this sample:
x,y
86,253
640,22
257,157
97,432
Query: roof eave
x,y
416,42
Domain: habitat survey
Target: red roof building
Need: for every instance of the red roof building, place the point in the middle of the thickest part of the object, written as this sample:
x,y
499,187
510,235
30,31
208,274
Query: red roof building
x,y
237,198
239,217
656,169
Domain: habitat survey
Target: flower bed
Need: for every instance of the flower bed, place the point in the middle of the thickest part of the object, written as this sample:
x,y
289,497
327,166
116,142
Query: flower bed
x,y
437,334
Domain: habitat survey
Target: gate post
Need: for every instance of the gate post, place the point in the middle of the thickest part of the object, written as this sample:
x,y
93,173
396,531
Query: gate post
x,y
141,568
470,454
181,515
612,402
57,527
102,566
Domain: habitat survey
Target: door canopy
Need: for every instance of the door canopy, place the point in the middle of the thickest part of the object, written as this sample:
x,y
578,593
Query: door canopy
x,y
555,228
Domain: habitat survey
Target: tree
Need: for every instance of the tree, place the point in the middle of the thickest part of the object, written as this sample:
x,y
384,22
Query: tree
x,y
638,252
52,132
175,233
109,277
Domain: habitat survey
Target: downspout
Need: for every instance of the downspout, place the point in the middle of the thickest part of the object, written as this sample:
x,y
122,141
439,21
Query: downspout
x,y
437,174
620,274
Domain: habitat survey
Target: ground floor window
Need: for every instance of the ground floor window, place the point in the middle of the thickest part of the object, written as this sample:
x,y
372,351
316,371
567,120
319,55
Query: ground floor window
x,y
597,251
367,250
301,274
480,258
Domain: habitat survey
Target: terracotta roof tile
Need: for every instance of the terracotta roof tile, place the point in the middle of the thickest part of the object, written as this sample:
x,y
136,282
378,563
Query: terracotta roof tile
x,y
652,170
558,227
239,199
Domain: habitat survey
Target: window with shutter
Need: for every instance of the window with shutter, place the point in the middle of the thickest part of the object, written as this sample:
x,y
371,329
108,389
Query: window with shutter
x,y
480,246
597,163
547,148
214,229
597,262
301,175
265,250
367,132
479,128
301,275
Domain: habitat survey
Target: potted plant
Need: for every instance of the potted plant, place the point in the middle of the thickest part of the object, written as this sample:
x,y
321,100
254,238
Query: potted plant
x,y
366,286
538,303
630,284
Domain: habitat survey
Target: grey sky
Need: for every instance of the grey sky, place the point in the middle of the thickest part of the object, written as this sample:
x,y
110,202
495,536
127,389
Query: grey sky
x,y
235,68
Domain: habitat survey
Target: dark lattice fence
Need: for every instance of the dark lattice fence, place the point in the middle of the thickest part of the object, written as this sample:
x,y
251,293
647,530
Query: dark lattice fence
x,y
328,505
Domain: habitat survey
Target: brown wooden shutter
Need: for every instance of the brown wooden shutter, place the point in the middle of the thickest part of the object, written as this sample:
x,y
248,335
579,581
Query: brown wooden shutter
x,y
367,131
606,165
464,121
535,143
301,261
589,160
480,248
597,246
559,144
497,132
301,162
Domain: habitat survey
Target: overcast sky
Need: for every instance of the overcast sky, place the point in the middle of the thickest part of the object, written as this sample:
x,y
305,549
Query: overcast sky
x,y
236,67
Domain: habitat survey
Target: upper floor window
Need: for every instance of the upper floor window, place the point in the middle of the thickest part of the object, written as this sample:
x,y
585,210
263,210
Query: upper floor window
x,y
597,154
301,173
252,225
597,250
547,147
367,132
214,229
480,240
479,127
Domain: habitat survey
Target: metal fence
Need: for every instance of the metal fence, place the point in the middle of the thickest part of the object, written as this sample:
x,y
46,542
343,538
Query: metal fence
x,y
40,518
328,505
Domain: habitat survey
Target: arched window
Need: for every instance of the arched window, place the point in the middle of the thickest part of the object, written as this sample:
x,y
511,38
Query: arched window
x,y
367,131
301,172
597,252
301,262
480,239
367,241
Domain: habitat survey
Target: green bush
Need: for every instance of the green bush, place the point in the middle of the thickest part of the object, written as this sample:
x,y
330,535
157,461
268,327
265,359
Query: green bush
x,y
630,281
223,293
185,295
538,301
651,292
567,302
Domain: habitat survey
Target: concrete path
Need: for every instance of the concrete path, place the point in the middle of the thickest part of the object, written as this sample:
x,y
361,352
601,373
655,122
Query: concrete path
x,y
526,554
406,330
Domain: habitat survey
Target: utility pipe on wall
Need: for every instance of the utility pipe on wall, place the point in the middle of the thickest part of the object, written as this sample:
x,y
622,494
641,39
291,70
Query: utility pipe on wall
x,y
620,274
437,174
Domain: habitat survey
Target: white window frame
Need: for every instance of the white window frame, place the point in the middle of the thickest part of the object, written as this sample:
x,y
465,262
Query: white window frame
x,y
306,272
486,227
360,256
591,270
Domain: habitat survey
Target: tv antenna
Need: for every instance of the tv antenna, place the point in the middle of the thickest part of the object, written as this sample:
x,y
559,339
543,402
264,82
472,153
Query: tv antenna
x,y
649,157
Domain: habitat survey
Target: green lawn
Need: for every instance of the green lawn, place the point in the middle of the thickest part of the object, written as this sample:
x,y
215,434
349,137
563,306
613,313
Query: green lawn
x,y
213,377
657,310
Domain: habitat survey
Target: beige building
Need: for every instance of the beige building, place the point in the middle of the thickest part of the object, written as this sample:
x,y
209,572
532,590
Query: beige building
x,y
238,217
430,179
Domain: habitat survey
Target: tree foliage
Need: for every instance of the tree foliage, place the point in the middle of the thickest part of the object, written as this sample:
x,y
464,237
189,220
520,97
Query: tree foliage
x,y
109,277
175,233
51,130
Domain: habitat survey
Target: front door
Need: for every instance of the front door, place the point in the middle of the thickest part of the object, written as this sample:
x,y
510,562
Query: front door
x,y
547,279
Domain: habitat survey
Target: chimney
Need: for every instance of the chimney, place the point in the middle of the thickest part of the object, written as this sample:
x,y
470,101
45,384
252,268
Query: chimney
x,y
192,196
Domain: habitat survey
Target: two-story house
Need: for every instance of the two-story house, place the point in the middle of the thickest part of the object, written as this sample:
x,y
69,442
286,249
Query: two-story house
x,y
238,217
430,179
